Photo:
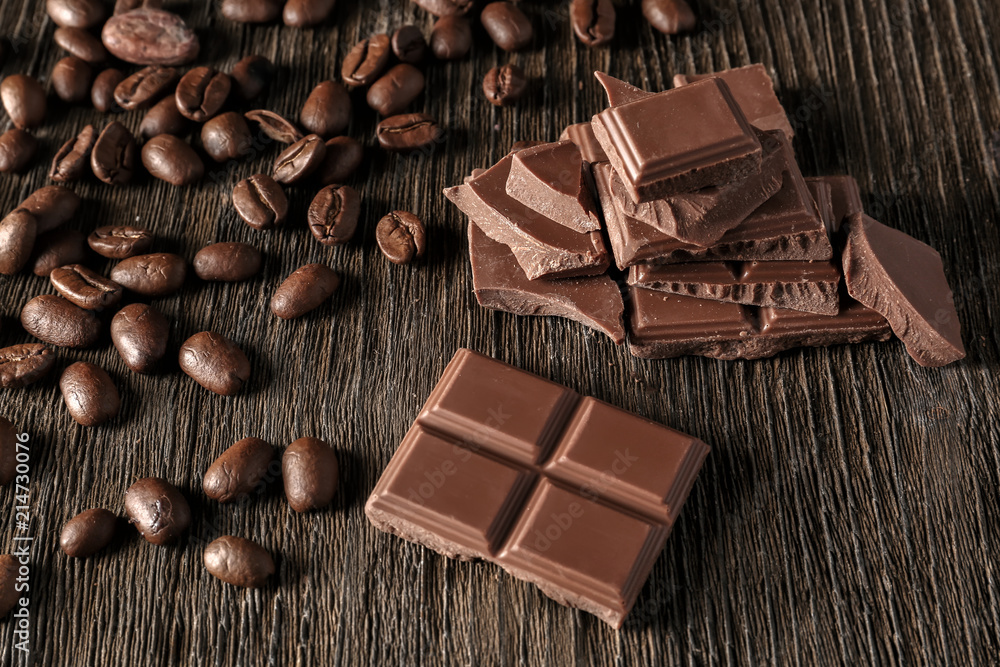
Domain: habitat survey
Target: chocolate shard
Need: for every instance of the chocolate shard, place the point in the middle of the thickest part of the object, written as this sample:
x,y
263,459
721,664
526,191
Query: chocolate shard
x,y
753,90
549,179
618,91
903,278
582,134
500,284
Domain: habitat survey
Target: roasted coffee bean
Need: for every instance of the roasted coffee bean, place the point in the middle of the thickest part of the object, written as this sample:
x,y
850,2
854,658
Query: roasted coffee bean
x,y
274,126
172,160
669,16
139,333
102,93
71,79
343,157
401,237
8,462
228,262
75,13
80,43
303,291
56,321
507,25
238,470
365,61
87,289
239,562
504,86
305,13
120,242
593,21
21,365
202,92
215,362
9,594
446,7
408,132
309,471
58,248
451,37
157,274
72,160
227,137
164,118
260,201
113,156
145,87
17,148
300,159
122,6
409,45
89,393
18,231
251,11
149,36
24,100
396,89
251,76
333,214
52,206
158,510
327,110
88,532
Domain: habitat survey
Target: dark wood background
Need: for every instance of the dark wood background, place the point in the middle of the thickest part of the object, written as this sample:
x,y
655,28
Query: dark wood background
x,y
847,512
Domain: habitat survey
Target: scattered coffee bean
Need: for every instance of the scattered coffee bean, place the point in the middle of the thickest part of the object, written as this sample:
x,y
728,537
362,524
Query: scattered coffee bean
x,y
215,362
251,11
17,149
343,157
149,36
305,13
156,274
507,25
58,248
80,43
396,89
56,321
202,92
113,157
504,86
227,262
274,126
75,13
159,511
239,562
238,470
304,290
260,201
8,457
139,333
446,7
145,87
90,395
593,21
71,161
300,159
52,206
24,100
669,16
401,237
18,231
88,532
251,76
164,118
333,214
120,242
327,110
9,594
21,365
451,38
365,61
102,93
409,45
85,288
227,137
71,79
309,471
408,132
172,160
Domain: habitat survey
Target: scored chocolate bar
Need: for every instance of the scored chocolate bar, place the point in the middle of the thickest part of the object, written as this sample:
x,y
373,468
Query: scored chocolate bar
x,y
753,89
566,492
549,179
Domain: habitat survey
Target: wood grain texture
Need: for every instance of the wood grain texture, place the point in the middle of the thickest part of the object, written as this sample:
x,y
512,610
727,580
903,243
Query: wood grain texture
x,y
847,512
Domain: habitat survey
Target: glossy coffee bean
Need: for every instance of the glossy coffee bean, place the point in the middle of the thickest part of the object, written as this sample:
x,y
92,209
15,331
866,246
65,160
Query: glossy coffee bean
x,y
365,61
164,118
71,79
252,11
58,248
343,157
120,242
158,510
251,76
227,137
102,93
75,13
202,92
327,110
505,86
333,214
172,160
24,100
275,126
145,87
10,571
228,262
140,333
73,159
593,21
446,7
396,89
113,156
18,231
215,362
304,290
300,159
89,393
22,365
409,45
238,471
408,132
451,38
305,13
80,43
122,6
507,25
669,16
85,288
88,532
239,562
401,237
56,321
150,36
156,274
260,201
17,149
309,470
52,206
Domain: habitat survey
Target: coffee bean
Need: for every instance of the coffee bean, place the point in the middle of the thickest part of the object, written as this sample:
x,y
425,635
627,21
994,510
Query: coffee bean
x,y
451,38
52,206
156,274
409,45
90,395
21,365
401,237
275,126
669,16
18,231
365,61
408,132
507,25
24,100
309,471
228,262
80,43
327,110
139,333
251,11
113,157
145,87
239,562
9,593
172,160
238,470
227,137
75,13
71,79
58,248
333,214
343,157
593,21
150,36
304,290
58,322
158,510
122,6
71,161
202,92
300,159
102,93
504,86
215,362
8,453
87,289
120,242
396,89
88,532
305,13
164,118
17,148
446,7
260,201
251,76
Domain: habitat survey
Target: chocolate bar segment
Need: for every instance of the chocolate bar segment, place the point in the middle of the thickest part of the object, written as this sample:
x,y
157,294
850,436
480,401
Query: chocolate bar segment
x,y
845,198
582,134
620,92
549,179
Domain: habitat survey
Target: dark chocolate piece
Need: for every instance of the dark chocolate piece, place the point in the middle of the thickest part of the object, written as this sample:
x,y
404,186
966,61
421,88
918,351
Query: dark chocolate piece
x,y
753,90
618,91
549,179
582,134
845,199
568,493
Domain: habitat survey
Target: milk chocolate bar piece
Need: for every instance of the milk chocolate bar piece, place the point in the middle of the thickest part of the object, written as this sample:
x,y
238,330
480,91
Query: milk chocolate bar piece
x,y
582,134
504,466
753,90
619,92
549,179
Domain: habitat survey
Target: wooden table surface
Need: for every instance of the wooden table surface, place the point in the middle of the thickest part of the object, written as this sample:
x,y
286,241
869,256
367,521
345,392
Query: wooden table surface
x,y
846,514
